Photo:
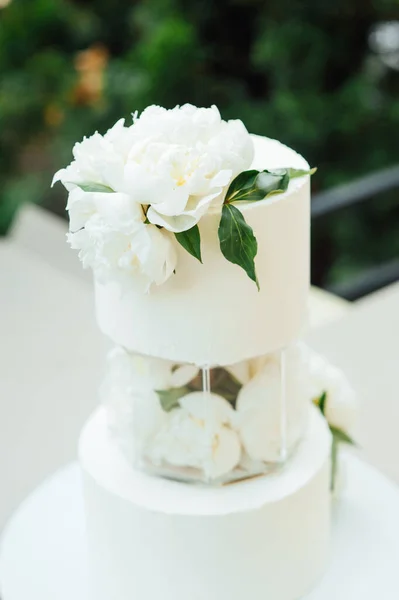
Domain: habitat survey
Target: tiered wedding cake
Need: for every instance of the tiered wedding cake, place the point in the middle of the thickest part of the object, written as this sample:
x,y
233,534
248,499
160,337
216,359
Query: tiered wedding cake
x,y
207,468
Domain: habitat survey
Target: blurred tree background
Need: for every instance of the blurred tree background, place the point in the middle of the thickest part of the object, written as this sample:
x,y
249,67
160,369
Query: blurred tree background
x,y
322,77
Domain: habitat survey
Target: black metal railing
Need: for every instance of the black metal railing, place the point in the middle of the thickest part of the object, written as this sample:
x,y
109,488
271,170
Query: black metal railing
x,y
343,196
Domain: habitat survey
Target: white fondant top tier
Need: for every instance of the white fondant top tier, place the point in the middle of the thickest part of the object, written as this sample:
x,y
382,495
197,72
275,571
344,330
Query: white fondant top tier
x,y
212,313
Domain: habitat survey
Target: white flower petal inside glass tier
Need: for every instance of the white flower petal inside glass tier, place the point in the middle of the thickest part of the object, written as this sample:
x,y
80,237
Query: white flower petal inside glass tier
x,y
198,434
259,411
245,424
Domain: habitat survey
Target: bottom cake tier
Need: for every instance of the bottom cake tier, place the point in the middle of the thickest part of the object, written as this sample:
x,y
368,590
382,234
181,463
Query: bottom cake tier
x,y
151,538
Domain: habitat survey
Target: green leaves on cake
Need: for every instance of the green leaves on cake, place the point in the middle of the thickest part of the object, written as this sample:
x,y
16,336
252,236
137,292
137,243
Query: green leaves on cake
x,y
169,399
251,186
237,240
191,241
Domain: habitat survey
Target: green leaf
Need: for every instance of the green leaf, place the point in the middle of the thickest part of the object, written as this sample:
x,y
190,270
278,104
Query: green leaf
x,y
169,399
95,187
252,186
334,463
341,436
191,241
293,173
321,402
237,241
273,182
243,183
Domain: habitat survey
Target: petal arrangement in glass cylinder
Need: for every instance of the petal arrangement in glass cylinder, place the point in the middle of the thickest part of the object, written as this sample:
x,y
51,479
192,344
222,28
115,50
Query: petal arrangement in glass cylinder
x,y
208,424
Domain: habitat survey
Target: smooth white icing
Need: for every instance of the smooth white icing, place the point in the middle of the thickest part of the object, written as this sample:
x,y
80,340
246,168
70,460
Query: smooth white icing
x,y
212,313
153,538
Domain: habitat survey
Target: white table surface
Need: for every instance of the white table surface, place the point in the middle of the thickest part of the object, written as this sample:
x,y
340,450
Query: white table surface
x,y
51,363
44,547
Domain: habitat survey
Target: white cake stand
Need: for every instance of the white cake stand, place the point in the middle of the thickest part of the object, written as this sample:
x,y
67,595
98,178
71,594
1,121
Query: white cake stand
x,y
43,553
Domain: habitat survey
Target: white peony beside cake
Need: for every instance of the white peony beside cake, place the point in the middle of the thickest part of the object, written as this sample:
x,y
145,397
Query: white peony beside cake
x,y
198,237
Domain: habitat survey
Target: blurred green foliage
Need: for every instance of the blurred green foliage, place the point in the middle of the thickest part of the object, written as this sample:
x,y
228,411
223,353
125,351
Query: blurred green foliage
x,y
300,71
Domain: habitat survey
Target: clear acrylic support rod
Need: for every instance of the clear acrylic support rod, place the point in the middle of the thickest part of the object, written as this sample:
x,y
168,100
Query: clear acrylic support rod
x,y
206,388
283,407
206,380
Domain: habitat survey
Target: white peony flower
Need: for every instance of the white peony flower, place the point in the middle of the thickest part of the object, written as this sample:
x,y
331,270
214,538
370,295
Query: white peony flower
x,y
182,162
259,405
116,211
182,375
341,407
98,159
129,393
128,370
167,169
145,252
198,435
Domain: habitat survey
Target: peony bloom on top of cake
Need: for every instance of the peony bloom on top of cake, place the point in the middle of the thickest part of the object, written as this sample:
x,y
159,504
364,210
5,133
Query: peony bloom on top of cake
x,y
139,191
131,189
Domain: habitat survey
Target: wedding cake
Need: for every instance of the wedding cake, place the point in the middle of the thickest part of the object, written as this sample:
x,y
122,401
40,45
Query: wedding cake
x,y
209,465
